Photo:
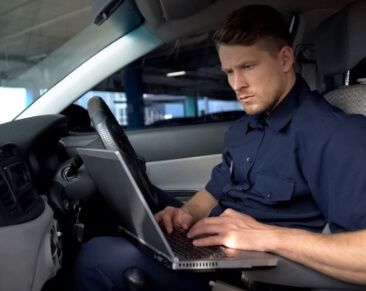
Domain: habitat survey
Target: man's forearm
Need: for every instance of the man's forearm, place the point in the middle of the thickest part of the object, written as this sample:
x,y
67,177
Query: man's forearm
x,y
339,255
200,205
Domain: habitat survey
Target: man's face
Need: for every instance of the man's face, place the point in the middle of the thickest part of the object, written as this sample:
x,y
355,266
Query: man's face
x,y
257,76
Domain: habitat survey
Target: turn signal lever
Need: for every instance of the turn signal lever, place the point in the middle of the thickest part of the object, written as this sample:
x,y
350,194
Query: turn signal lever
x,y
74,166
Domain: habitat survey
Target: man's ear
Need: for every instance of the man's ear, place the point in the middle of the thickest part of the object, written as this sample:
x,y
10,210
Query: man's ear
x,y
286,58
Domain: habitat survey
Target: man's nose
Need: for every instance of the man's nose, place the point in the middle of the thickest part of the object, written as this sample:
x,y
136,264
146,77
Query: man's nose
x,y
239,82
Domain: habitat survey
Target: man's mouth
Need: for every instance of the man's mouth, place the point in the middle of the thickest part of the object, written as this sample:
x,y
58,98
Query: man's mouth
x,y
245,98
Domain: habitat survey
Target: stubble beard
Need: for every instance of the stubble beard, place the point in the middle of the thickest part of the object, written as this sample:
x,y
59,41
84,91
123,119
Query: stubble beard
x,y
267,105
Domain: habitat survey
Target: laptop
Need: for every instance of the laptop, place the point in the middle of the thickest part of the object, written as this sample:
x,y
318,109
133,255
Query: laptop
x,y
116,184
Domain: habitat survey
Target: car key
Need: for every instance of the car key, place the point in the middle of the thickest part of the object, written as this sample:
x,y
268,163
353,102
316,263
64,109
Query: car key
x,y
78,228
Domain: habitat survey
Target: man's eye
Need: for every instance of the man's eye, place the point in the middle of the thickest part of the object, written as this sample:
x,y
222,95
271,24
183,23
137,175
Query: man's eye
x,y
248,67
228,73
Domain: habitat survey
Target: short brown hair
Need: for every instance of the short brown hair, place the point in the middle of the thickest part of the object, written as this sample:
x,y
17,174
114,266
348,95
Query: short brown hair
x,y
250,24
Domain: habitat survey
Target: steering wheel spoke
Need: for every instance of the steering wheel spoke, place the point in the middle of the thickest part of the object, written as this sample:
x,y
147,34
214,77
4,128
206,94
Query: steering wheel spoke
x,y
113,137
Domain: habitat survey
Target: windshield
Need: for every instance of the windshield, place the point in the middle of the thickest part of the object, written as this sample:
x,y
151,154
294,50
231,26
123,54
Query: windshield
x,y
43,41
30,33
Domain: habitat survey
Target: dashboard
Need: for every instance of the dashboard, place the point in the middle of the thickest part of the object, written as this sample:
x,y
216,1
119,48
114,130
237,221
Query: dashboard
x,y
19,201
30,238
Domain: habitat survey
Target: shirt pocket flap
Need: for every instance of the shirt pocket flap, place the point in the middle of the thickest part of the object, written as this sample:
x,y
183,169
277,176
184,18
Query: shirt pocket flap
x,y
274,189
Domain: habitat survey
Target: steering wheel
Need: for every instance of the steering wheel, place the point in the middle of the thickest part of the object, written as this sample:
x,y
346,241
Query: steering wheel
x,y
113,137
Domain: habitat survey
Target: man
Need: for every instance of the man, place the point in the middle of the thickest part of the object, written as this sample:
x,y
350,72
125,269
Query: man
x,y
286,172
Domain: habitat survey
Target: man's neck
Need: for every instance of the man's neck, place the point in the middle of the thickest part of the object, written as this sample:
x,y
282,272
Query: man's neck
x,y
290,82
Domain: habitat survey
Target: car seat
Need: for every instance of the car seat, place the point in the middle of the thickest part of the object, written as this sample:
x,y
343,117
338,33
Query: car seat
x,y
340,45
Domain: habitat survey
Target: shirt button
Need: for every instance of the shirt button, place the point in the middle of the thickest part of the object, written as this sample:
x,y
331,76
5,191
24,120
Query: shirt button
x,y
269,195
249,159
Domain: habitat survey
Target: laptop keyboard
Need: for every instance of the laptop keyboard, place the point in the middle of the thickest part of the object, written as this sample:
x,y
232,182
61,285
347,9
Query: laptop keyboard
x,y
182,245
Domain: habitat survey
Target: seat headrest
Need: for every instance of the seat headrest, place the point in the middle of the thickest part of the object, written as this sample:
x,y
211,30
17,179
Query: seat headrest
x,y
340,40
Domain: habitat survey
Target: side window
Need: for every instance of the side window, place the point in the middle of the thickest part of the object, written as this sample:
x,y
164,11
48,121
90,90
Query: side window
x,y
179,83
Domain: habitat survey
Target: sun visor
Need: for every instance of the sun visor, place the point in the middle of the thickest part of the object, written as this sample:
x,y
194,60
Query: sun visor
x,y
178,9
102,9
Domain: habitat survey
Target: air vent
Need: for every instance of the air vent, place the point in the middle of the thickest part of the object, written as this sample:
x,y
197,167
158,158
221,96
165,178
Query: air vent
x,y
6,197
8,152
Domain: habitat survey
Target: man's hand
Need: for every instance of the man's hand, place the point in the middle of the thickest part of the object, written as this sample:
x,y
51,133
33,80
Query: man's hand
x,y
197,207
232,229
319,251
172,217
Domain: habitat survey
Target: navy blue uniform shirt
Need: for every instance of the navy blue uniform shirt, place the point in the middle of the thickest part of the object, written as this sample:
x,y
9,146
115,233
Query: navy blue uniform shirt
x,y
303,166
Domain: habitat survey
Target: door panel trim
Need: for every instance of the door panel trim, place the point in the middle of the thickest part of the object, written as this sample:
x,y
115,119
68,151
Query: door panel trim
x,y
182,174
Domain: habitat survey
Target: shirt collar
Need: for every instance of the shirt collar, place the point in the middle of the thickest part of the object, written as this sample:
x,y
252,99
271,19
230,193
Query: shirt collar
x,y
284,112
256,121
